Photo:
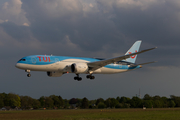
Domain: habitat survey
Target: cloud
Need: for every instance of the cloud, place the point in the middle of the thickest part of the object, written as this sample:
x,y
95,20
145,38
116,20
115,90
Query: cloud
x,y
109,6
52,9
26,24
77,19
13,12
14,37
88,26
1,21
93,30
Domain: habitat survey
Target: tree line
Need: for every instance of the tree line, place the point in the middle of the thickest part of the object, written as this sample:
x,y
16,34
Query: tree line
x,y
57,102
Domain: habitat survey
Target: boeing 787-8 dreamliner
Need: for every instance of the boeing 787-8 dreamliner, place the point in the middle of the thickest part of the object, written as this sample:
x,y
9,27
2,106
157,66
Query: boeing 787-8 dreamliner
x,y
56,66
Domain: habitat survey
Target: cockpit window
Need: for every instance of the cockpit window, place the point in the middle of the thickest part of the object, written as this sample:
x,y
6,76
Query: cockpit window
x,y
22,60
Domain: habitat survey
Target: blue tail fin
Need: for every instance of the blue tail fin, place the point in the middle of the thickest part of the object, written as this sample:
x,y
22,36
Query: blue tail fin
x,y
133,49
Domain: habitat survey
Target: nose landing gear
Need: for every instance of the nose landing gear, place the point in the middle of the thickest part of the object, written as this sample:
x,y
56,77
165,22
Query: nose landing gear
x,y
28,71
28,75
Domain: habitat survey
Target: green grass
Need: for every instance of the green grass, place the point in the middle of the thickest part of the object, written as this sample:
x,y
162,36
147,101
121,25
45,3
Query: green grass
x,y
94,114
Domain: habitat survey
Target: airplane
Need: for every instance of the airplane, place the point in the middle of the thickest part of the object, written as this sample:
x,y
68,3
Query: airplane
x,y
56,66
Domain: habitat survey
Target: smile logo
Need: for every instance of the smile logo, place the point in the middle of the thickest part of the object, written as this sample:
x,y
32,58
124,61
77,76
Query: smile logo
x,y
133,55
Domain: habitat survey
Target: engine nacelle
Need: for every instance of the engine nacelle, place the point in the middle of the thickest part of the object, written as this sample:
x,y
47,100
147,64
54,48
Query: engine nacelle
x,y
79,68
54,74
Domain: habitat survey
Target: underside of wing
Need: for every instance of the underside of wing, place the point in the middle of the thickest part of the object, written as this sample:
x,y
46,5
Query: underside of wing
x,y
98,64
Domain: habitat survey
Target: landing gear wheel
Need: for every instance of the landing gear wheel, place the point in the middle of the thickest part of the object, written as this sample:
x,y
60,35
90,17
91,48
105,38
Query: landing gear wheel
x,y
79,79
76,78
88,76
28,71
92,77
28,75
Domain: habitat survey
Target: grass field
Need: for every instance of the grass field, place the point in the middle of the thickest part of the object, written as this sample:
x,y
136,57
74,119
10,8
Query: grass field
x,y
94,114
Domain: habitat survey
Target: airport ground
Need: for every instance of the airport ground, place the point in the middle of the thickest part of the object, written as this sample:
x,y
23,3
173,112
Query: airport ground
x,y
93,114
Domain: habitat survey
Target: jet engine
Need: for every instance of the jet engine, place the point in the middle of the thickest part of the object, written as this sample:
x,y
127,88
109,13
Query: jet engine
x,y
79,68
54,74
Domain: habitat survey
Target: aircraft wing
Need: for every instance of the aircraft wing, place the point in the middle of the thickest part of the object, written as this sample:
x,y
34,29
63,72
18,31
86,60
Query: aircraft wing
x,y
98,64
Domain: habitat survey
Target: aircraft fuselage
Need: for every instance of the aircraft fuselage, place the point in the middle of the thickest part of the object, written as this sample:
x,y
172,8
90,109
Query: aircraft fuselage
x,y
63,63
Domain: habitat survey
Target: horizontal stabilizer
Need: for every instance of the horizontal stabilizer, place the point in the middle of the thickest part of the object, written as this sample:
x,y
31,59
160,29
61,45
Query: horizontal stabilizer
x,y
143,63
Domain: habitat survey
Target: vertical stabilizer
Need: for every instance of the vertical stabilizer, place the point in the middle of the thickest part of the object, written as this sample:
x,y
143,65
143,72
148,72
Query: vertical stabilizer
x,y
133,49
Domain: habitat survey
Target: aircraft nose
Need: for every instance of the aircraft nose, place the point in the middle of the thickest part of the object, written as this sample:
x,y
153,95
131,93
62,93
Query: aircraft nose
x,y
17,65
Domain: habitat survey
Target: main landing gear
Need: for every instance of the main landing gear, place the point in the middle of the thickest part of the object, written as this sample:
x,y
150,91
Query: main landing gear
x,y
28,71
77,78
90,77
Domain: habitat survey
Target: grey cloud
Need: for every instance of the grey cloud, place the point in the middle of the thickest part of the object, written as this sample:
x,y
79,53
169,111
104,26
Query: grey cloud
x,y
156,25
153,24
89,31
10,10
110,23
20,33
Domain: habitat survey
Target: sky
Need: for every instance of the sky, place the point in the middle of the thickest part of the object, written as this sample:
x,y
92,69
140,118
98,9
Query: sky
x,y
96,28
